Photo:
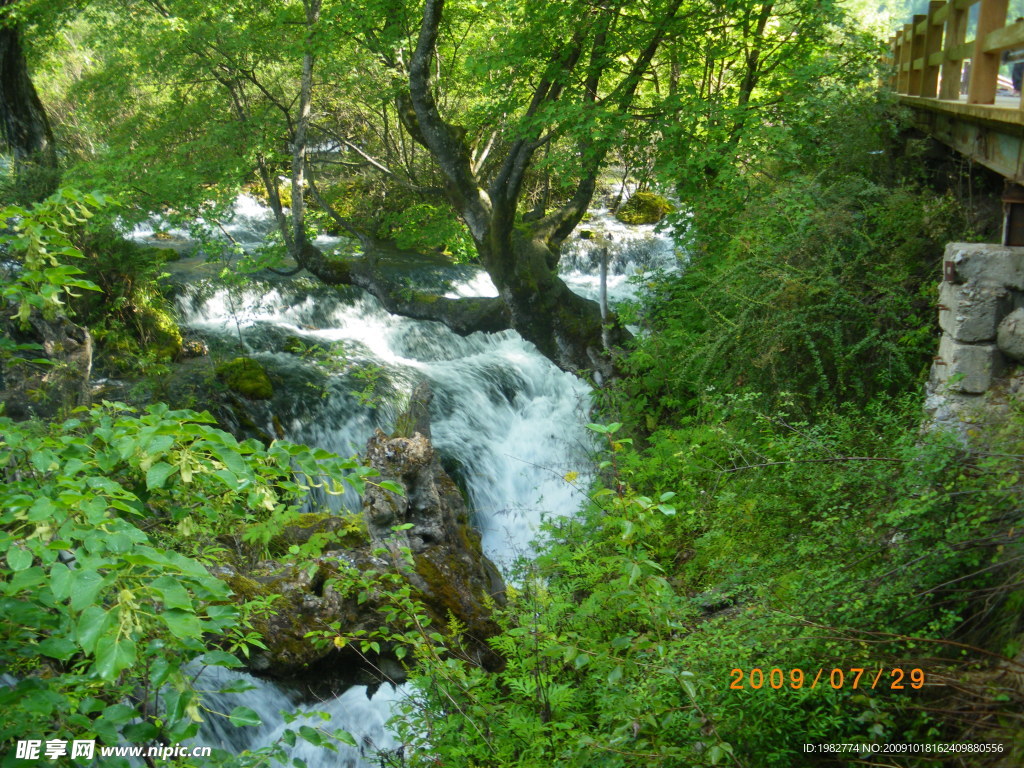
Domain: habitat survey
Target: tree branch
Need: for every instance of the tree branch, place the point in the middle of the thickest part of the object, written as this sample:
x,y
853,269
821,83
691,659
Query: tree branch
x,y
447,147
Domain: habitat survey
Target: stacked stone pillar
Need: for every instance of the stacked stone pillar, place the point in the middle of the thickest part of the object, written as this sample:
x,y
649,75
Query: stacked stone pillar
x,y
981,313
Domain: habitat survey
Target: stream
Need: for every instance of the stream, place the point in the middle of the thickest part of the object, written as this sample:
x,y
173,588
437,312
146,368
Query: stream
x,y
509,424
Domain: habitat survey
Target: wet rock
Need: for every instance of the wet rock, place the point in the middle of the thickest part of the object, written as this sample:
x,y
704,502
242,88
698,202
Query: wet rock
x,y
246,377
42,390
435,551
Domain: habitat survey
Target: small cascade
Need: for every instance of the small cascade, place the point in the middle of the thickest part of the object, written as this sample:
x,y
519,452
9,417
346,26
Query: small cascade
x,y
632,252
509,423
362,714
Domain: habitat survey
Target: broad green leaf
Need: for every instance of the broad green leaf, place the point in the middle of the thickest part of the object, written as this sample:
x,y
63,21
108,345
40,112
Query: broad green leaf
x,y
113,655
57,648
91,624
244,716
157,474
87,586
18,559
220,659
60,578
172,593
183,624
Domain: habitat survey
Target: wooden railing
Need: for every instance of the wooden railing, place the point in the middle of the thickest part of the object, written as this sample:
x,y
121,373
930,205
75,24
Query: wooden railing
x,y
928,54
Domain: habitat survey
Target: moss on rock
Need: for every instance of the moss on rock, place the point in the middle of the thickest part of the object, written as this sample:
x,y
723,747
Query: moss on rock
x,y
644,208
164,255
160,332
246,377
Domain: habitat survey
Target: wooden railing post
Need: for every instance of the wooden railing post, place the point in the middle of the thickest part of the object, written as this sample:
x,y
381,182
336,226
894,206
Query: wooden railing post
x,y
932,46
985,66
905,62
917,41
889,71
897,62
952,70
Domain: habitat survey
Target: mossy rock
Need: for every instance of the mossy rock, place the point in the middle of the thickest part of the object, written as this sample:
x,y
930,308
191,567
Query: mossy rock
x,y
246,377
164,255
284,193
320,531
644,208
163,337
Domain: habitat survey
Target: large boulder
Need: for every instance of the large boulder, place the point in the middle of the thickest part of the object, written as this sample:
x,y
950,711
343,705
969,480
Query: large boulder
x,y
33,389
422,537
644,208
1010,335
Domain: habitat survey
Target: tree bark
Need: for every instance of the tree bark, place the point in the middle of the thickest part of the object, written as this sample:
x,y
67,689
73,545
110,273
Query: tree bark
x,y
26,130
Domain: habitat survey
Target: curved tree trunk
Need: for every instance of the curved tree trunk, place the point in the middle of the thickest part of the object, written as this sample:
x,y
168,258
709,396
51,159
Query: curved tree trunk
x,y
26,130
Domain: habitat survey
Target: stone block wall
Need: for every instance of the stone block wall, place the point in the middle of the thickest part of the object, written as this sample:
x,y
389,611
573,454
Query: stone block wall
x,y
981,313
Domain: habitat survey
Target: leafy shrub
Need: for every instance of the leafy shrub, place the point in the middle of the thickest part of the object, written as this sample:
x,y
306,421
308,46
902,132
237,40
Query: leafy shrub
x,y
131,318
823,293
782,546
102,614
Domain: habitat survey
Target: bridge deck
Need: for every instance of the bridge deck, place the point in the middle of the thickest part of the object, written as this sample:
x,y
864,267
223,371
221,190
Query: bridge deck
x,y
989,134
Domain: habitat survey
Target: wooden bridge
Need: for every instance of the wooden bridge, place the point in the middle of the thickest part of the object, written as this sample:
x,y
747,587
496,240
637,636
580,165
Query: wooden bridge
x,y
953,86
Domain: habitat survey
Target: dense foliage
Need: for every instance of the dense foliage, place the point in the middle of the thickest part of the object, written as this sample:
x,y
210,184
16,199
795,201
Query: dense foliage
x,y
766,499
777,511
111,521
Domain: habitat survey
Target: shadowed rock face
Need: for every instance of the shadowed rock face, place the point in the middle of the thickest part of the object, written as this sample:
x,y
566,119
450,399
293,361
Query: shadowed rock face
x,y
30,390
448,572
450,569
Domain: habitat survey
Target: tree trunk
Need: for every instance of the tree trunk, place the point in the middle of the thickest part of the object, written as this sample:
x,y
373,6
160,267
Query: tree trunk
x,y
566,328
26,131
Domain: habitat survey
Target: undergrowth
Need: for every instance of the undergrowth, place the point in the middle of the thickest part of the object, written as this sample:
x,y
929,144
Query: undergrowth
x,y
782,557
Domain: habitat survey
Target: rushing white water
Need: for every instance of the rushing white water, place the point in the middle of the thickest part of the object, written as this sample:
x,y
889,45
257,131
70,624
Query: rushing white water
x,y
509,423
355,711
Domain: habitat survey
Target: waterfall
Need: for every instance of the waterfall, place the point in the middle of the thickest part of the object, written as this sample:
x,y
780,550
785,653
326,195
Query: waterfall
x,y
509,423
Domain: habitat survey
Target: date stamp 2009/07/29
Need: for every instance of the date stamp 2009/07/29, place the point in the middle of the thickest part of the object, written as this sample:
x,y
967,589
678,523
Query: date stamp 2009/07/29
x,y
892,678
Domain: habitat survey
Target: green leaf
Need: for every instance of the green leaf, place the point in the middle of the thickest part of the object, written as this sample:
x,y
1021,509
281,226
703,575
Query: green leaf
x,y
220,659
19,559
157,474
183,624
172,594
87,586
243,716
114,655
345,738
91,624
57,648
119,714
389,485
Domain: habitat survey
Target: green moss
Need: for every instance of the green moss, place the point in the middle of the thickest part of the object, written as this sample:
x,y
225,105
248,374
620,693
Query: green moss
x,y
246,377
317,532
160,333
245,588
164,255
644,208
